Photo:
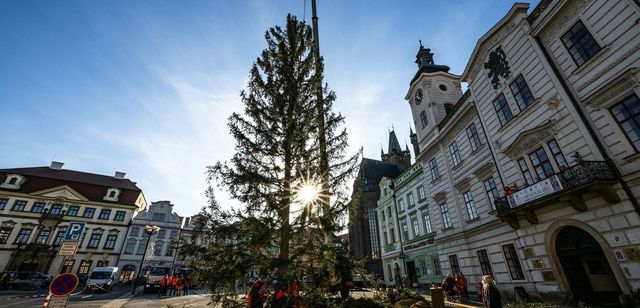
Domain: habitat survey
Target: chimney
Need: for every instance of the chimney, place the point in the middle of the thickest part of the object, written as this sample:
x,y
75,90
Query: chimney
x,y
119,175
56,165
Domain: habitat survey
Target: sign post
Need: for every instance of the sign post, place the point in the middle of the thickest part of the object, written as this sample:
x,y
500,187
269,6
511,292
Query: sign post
x,y
60,289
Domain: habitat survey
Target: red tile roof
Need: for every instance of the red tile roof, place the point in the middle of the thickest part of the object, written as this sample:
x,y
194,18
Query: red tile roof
x,y
92,186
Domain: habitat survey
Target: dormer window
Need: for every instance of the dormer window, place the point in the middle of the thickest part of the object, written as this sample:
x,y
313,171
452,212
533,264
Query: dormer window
x,y
112,194
13,181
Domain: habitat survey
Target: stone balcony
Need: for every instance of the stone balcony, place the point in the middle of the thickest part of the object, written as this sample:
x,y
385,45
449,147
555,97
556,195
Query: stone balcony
x,y
391,247
568,186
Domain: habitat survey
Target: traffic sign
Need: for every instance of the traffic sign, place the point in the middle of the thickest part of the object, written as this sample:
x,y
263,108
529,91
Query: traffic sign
x,y
64,284
74,231
68,248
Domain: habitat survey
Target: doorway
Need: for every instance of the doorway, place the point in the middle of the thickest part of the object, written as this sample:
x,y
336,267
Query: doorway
x,y
586,267
29,265
411,272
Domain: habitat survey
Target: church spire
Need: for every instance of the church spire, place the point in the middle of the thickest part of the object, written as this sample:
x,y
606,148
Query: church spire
x,y
394,145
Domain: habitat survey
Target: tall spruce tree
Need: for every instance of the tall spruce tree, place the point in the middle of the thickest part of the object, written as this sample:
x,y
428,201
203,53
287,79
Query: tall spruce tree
x,y
277,153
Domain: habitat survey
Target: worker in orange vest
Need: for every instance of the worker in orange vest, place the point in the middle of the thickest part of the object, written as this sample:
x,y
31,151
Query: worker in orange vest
x,y
172,283
164,282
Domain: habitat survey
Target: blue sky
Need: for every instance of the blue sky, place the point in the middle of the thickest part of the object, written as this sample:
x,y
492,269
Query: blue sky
x,y
146,87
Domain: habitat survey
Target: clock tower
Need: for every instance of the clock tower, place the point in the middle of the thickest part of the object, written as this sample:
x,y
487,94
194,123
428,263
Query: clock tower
x,y
433,92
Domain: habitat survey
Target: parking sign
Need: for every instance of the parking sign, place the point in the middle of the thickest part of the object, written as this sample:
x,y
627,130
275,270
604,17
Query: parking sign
x,y
74,231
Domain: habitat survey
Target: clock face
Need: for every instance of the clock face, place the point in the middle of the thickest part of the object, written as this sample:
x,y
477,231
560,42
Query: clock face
x,y
418,97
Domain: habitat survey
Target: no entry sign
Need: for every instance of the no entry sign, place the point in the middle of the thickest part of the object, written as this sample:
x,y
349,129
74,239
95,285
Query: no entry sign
x,y
64,284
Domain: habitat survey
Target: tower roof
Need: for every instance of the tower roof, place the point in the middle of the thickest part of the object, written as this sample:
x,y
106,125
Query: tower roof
x,y
394,145
425,62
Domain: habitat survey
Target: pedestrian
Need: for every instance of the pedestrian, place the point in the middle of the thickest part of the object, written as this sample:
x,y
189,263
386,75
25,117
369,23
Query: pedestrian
x,y
179,286
490,293
172,285
448,285
164,282
257,294
187,284
280,299
462,286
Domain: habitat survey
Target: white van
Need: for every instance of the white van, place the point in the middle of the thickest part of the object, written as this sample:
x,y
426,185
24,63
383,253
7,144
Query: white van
x,y
102,278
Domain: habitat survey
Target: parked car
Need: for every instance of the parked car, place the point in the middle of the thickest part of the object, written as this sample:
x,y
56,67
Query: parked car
x,y
27,280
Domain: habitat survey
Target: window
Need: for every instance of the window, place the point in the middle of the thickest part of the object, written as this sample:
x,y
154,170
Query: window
x,y
43,236
373,231
448,108
485,265
382,217
502,109
130,246
13,181
410,201
169,251
455,155
157,248
110,242
158,216
135,231
513,262
393,235
389,212
557,154
436,266
423,119
94,240
427,223
37,207
421,194
23,235
112,194
405,232
141,246
88,212
4,235
492,192
56,209
471,207
433,166
474,138
442,87
163,233
104,214
416,228
580,43
627,114
521,92
102,263
73,210
59,237
3,203
541,163
455,266
67,266
525,171
119,216
85,265
423,266
446,219
19,205
400,205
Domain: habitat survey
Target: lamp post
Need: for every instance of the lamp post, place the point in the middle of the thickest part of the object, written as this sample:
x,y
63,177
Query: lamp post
x,y
149,230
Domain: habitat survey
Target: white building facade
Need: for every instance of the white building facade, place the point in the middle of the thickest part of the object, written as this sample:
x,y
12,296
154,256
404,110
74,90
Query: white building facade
x,y
161,249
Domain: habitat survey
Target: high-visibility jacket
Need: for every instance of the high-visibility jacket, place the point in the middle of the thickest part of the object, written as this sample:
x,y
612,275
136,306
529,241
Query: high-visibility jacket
x,y
174,280
164,281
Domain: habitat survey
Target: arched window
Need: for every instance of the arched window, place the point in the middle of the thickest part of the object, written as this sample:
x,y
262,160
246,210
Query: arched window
x,y
423,119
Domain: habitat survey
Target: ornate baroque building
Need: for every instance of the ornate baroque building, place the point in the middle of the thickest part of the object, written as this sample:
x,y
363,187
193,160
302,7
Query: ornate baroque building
x,y
161,250
37,204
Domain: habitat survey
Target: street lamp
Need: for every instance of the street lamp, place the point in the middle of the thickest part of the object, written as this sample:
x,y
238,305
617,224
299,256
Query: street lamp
x,y
149,230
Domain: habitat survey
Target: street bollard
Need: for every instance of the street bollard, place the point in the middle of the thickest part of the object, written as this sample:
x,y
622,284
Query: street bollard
x,y
437,297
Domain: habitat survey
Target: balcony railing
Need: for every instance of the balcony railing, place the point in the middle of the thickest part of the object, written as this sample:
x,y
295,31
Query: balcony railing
x,y
564,186
391,247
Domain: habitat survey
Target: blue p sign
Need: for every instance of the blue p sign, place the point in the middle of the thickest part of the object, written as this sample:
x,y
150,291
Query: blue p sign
x,y
74,231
